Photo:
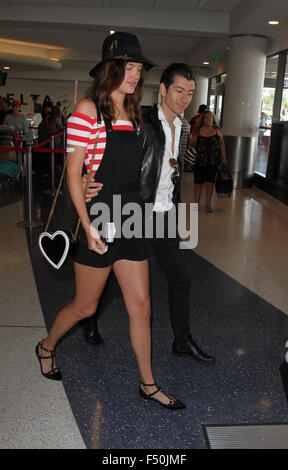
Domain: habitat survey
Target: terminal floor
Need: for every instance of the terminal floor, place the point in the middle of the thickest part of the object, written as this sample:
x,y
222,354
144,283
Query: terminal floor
x,y
239,307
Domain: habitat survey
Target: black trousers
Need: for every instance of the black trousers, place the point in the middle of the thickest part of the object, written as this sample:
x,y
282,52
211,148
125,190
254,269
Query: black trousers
x,y
173,262
176,267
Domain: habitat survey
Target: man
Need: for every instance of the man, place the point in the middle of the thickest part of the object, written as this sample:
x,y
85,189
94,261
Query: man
x,y
164,138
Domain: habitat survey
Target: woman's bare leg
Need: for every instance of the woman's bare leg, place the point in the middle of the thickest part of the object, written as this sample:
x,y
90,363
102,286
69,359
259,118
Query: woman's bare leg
x,y
197,192
90,283
133,278
209,192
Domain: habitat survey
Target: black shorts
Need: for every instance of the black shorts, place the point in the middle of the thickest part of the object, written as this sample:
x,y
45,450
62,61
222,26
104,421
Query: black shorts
x,y
205,174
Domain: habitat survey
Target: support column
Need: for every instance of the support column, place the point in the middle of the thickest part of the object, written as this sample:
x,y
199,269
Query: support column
x,y
242,106
200,96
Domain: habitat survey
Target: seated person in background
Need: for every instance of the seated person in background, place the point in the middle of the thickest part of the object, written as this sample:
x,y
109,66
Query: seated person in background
x,y
19,123
16,119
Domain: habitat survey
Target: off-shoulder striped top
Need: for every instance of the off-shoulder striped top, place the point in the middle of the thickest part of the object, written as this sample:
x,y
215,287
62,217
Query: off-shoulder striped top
x,y
81,132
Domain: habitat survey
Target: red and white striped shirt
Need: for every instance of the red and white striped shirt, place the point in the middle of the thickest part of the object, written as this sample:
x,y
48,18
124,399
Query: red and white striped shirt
x,y
81,132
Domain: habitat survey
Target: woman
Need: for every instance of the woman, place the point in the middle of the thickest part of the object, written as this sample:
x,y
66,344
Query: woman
x,y
210,147
114,100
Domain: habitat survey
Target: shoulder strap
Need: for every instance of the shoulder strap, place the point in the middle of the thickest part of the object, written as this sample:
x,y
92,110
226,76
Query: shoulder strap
x,y
86,187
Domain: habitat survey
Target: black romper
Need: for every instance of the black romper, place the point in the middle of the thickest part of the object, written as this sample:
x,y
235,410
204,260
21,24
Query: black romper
x,y
119,171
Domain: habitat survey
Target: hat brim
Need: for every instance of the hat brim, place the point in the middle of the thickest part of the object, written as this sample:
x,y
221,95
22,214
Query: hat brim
x,y
142,60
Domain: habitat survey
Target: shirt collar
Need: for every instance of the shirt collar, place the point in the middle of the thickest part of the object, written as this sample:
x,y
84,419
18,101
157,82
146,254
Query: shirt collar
x,y
177,122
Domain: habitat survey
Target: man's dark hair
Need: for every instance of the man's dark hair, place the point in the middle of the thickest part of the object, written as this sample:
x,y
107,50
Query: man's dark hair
x,y
169,73
202,108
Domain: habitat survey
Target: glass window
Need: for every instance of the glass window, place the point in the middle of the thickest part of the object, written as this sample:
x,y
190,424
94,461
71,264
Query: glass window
x,y
265,121
219,103
212,94
284,105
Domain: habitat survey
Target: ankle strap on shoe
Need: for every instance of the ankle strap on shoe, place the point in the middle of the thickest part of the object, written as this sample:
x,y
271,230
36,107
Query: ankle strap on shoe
x,y
47,350
148,385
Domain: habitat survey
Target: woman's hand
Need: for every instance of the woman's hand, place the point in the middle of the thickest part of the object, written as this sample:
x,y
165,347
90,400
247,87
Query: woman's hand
x,y
93,187
95,243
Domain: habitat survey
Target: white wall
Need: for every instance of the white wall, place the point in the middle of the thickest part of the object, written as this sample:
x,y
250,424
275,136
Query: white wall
x,y
57,90
200,96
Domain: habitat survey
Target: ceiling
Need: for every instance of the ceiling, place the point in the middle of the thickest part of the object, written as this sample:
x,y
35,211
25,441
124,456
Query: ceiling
x,y
194,31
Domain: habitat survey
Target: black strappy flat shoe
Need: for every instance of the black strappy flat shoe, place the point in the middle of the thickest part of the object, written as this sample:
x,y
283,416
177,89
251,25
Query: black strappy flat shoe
x,y
174,403
54,373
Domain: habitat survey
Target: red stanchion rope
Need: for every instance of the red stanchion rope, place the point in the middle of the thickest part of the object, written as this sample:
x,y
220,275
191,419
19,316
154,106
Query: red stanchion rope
x,y
37,148
41,150
41,144
48,141
7,148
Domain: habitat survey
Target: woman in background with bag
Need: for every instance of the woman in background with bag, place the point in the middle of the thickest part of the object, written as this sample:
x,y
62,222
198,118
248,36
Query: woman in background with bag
x,y
114,105
210,149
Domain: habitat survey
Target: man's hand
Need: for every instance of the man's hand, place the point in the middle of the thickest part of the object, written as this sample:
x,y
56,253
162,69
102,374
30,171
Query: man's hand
x,y
93,187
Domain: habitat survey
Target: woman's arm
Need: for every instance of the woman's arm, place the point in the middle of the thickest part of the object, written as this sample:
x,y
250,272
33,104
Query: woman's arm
x,y
75,161
222,146
189,140
194,139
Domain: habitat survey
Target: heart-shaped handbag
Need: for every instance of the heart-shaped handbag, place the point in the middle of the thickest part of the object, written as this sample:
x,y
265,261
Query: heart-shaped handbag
x,y
57,246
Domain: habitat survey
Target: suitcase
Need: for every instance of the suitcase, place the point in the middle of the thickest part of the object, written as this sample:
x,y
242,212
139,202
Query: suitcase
x,y
224,182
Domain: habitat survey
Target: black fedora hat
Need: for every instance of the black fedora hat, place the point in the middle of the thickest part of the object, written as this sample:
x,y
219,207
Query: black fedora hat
x,y
122,46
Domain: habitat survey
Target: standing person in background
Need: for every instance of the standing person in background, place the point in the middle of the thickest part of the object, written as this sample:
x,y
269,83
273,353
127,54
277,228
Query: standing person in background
x,y
209,143
194,122
47,128
59,116
46,100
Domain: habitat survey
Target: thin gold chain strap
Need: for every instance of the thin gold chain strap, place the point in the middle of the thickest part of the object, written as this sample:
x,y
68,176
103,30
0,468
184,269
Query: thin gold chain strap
x,y
86,187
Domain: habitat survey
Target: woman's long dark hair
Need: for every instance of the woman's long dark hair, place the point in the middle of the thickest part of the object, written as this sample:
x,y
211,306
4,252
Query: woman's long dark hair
x,y
201,122
108,78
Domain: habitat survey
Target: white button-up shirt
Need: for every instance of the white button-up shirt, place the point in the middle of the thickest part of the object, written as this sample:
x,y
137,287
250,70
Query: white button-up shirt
x,y
164,195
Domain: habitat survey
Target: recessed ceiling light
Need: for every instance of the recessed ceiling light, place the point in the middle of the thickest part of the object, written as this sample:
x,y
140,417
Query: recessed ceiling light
x,y
112,31
6,68
274,22
55,60
206,63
